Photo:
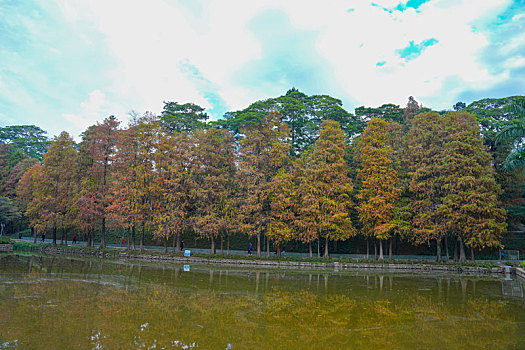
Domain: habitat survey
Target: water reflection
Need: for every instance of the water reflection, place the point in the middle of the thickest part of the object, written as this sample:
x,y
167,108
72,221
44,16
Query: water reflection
x,y
66,303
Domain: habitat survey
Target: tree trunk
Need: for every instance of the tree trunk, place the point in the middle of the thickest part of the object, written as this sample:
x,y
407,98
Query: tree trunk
x,y
367,249
103,237
54,235
472,254
318,247
335,246
380,250
456,249
310,249
133,237
142,237
462,257
166,245
259,244
33,232
129,235
375,249
390,252
446,249
267,247
212,248
278,250
326,256
177,243
222,245
438,250
228,246
62,236
104,182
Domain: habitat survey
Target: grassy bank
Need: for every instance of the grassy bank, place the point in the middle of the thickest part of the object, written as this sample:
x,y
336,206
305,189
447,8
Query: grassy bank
x,y
118,252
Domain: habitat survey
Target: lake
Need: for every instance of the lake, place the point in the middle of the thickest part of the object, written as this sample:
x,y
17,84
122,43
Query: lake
x,y
65,303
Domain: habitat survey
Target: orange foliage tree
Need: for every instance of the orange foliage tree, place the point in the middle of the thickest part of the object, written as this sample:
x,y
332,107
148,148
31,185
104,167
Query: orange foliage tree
x,y
380,185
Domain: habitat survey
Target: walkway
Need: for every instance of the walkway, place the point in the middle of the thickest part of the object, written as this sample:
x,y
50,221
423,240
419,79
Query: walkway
x,y
245,252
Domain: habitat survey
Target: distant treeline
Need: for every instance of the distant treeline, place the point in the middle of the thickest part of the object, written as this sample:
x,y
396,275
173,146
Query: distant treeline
x,y
295,167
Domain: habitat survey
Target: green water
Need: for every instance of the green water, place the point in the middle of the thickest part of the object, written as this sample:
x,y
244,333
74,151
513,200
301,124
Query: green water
x,y
61,303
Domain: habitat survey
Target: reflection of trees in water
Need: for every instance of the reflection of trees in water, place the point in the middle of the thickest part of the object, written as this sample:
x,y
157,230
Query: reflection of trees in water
x,y
76,314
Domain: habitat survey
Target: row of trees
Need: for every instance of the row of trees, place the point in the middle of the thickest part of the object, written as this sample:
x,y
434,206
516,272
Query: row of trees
x,y
427,179
295,167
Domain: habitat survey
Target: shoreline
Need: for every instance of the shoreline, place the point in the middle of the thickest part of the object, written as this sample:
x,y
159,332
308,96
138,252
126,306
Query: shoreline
x,y
334,265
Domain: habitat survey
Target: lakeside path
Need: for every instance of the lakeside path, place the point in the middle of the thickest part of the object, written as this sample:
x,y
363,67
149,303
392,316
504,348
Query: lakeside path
x,y
428,258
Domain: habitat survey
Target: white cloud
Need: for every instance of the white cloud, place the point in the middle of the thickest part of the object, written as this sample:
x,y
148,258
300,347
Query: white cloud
x,y
94,109
149,41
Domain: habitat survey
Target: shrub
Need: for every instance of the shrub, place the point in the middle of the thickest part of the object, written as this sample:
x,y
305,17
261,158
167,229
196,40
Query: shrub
x,y
4,240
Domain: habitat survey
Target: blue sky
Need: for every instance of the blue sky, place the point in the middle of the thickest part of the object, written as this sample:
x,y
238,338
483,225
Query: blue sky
x,y
65,64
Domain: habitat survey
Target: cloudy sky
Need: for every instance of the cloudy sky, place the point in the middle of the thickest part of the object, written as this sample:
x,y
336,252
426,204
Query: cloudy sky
x,y
65,64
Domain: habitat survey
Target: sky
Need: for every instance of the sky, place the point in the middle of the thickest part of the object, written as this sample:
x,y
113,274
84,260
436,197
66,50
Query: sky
x,y
66,64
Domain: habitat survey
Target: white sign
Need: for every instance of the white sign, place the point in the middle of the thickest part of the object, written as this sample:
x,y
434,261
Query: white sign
x,y
187,252
186,268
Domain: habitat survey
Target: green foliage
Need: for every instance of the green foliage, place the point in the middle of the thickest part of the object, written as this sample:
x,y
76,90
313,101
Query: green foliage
x,y
29,139
459,106
182,117
8,210
514,134
388,112
302,113
494,116
5,240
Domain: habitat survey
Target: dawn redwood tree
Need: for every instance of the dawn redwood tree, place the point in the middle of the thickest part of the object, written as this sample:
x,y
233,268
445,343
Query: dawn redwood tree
x,y
172,185
214,175
471,208
26,192
305,194
425,161
14,176
380,189
326,188
123,197
54,194
452,183
97,150
284,196
262,151
131,190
